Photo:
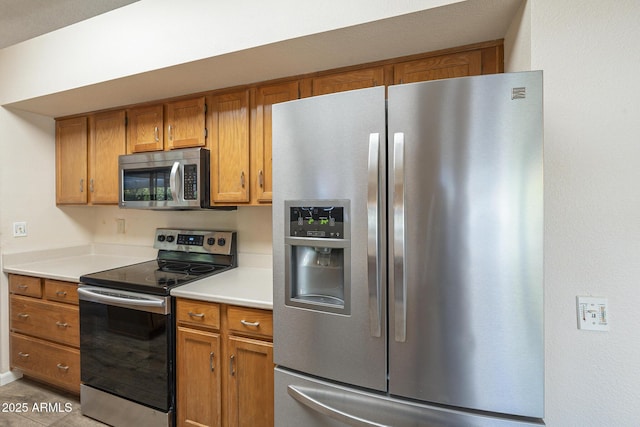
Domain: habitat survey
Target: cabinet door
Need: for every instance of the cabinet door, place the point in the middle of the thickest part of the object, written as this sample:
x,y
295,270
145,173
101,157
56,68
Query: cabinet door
x,y
198,378
250,393
185,124
439,67
145,130
71,161
107,141
350,80
266,96
230,147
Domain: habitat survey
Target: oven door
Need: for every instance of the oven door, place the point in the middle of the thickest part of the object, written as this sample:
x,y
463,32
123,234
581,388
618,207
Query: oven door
x,y
126,345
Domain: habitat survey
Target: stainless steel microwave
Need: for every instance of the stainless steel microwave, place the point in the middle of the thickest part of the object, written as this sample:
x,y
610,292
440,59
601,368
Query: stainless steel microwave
x,y
177,179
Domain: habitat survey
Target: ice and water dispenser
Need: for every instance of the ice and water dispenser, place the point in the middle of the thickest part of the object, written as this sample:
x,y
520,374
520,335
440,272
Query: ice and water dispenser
x,y
318,251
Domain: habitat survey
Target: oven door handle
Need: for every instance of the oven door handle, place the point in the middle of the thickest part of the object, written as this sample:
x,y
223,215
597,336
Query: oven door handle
x,y
126,299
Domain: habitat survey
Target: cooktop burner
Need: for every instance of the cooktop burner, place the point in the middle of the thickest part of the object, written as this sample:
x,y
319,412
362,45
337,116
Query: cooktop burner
x,y
184,256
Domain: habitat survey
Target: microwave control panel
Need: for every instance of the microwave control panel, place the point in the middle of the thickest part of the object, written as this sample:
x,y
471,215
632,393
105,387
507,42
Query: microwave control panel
x,y
190,187
325,222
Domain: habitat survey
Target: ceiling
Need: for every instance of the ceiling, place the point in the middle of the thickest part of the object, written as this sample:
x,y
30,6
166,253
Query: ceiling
x,y
22,20
460,23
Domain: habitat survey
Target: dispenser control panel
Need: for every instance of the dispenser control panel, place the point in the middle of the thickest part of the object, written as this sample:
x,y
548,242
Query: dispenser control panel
x,y
326,222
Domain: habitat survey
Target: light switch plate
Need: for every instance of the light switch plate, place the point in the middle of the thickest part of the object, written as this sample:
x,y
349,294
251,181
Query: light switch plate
x,y
20,229
593,313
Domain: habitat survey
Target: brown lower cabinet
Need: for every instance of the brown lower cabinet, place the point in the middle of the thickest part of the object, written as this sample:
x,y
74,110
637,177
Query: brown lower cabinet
x,y
45,330
224,365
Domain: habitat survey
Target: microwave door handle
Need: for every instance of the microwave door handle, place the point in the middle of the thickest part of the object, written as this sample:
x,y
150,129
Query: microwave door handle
x,y
173,178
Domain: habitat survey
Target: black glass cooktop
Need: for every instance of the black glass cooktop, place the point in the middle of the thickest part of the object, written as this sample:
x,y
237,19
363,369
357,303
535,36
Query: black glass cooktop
x,y
154,277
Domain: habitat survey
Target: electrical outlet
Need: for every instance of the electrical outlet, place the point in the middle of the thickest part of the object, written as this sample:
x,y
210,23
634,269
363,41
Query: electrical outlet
x,y
120,229
593,313
19,229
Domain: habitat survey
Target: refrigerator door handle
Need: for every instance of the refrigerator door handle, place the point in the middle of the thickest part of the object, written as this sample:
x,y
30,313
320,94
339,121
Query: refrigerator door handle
x,y
399,279
373,241
303,397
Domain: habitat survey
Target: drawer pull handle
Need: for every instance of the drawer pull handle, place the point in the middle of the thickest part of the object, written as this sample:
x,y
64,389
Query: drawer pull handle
x,y
62,367
61,293
232,371
23,315
200,315
254,324
62,325
23,286
211,365
23,355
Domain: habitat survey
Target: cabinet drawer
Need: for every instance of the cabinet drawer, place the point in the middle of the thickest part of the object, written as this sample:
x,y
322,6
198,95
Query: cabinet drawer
x,y
198,313
25,285
56,290
54,363
49,320
250,321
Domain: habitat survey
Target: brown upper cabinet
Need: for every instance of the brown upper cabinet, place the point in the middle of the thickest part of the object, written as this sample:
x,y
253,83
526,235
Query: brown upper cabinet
x,y
107,141
185,123
439,67
178,124
145,129
229,145
261,172
87,150
342,81
71,161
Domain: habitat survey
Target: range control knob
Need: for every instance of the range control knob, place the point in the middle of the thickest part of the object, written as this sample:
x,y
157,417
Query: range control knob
x,y
211,241
161,237
222,241
170,239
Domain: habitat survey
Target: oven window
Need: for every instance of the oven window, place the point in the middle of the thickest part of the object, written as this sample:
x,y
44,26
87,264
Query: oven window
x,y
127,352
146,184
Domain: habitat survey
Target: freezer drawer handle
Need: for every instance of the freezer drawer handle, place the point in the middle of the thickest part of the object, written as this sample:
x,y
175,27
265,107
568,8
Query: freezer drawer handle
x,y
324,409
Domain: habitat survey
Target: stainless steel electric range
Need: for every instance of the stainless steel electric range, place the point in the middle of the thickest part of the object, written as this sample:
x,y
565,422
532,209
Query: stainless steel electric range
x,y
127,330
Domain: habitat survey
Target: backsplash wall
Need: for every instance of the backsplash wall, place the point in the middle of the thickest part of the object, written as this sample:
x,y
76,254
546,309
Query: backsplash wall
x,y
253,224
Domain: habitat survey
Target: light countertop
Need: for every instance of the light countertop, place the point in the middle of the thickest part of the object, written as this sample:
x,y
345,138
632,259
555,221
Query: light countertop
x,y
245,286
72,267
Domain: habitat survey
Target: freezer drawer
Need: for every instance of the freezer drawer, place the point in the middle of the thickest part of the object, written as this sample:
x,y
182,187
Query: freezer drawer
x,y
306,401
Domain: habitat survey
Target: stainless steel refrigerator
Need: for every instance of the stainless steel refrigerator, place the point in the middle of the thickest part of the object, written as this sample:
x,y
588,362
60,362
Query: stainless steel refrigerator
x,y
407,255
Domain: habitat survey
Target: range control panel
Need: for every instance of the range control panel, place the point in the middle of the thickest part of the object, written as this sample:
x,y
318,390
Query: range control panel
x,y
325,222
203,241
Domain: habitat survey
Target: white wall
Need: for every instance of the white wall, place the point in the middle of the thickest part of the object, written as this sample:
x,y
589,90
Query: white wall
x,y
588,50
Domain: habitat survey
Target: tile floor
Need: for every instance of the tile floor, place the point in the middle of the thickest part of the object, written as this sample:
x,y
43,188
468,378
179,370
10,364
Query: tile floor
x,y
26,403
